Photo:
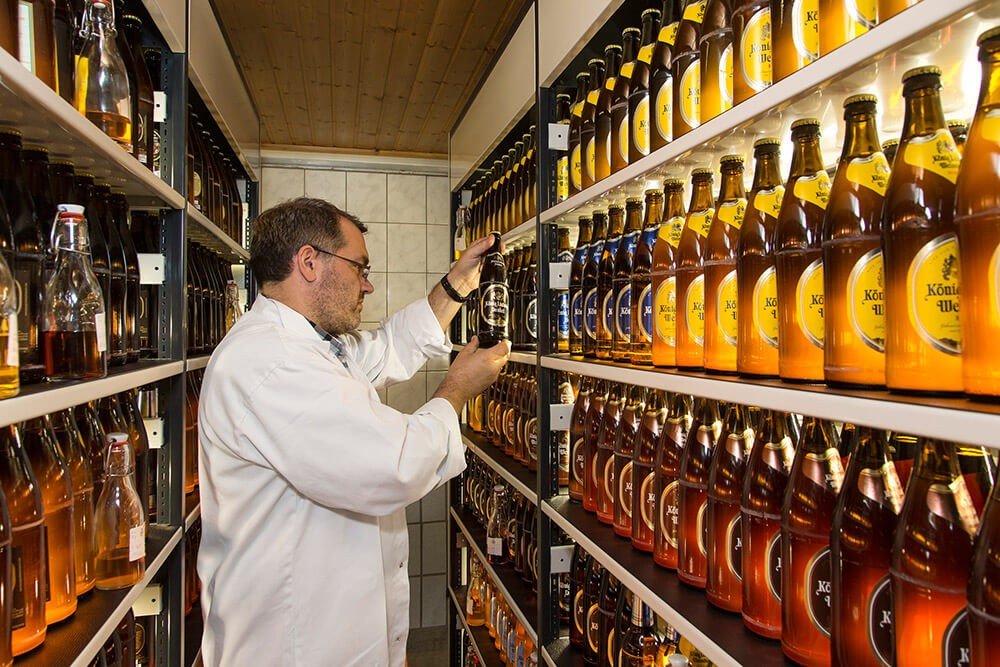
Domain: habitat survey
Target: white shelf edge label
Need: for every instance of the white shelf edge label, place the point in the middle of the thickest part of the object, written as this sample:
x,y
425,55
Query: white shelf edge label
x,y
154,431
561,559
558,137
151,268
159,106
559,275
560,416
149,602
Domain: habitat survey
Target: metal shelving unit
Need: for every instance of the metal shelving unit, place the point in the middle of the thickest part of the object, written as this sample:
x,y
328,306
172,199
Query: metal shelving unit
x,y
514,472
480,638
207,233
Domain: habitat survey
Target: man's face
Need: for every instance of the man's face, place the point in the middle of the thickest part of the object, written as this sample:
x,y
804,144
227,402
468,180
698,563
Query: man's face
x,y
340,292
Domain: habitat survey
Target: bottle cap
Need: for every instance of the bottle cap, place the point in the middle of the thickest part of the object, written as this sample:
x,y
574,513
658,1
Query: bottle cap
x,y
766,141
651,10
35,149
563,96
582,75
865,98
583,218
11,131
601,212
631,30
85,174
653,192
701,171
617,206
805,122
992,33
612,47
730,159
921,71
634,201
889,143
132,17
956,124
595,61
73,209
671,183
64,162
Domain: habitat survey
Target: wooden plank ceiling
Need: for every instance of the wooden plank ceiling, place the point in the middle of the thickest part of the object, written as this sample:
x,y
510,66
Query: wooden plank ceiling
x,y
364,75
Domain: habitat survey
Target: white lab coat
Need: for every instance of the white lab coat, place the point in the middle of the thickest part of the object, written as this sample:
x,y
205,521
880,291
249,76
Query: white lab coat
x,y
305,477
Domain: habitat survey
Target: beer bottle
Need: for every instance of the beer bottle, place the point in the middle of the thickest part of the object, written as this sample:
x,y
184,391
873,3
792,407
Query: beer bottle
x,y
661,83
669,449
854,340
37,47
960,133
889,148
644,470
798,258
514,259
76,455
641,643
983,598
621,333
605,282
860,546
977,214
752,44
638,96
515,194
719,255
980,472
807,513
10,383
591,271
618,139
923,331
663,275
843,20
624,451
563,115
530,174
603,124
132,26
592,619
577,430
6,578
39,185
685,69
692,528
764,485
610,587
603,469
724,584
529,296
564,255
716,45
588,120
641,349
931,554
494,300
795,35
578,584
576,296
117,297
889,8
576,148
593,427
757,289
689,272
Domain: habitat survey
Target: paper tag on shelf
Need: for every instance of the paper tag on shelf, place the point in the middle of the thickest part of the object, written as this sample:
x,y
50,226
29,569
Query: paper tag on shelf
x,y
154,432
559,136
151,270
494,546
559,275
136,543
159,106
560,416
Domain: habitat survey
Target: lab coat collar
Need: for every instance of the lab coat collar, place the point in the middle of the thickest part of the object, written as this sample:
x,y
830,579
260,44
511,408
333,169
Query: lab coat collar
x,y
291,319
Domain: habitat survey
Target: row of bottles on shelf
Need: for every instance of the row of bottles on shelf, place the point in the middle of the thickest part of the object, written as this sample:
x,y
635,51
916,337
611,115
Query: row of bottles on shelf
x,y
212,299
687,64
213,179
854,283
506,196
757,509
485,606
192,395
131,644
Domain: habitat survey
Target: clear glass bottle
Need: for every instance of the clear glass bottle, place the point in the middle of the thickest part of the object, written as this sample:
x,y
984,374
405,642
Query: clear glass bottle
x,y
496,531
641,643
474,610
102,86
120,522
10,383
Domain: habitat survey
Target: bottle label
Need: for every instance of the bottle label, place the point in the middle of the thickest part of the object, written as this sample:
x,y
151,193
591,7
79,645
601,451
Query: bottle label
x,y
932,283
607,313
591,158
695,12
765,307
870,172
26,35
668,33
592,96
101,329
665,109
818,590
640,125
646,54
623,307
574,172
576,313
579,458
625,72
579,615
772,555
531,438
732,212
726,77
726,311
814,189
880,635
935,152
645,319
12,353
672,229
809,297
562,178
609,651
956,644
494,546
805,29
137,543
631,242
531,318
623,130
562,317
669,513
866,299
691,94
694,305
701,528
625,489
993,283
863,13
768,201
594,628
590,313
18,612
756,50
701,221
734,547
990,124
647,507
493,305
666,311
609,478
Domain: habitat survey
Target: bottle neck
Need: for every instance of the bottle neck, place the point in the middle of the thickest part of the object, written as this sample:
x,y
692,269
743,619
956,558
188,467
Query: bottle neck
x,y
989,91
937,461
654,212
629,48
586,229
701,198
806,156
872,449
582,86
924,114
674,205
600,228
766,173
633,222
816,437
597,73
612,64
616,222
861,135
732,184
649,30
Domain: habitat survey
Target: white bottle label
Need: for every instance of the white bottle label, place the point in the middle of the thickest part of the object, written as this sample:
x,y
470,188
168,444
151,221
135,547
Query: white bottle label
x,y
136,543
26,35
100,324
494,546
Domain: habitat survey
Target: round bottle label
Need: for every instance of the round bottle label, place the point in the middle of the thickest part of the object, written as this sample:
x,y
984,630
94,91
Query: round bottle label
x,y
863,13
593,628
665,109
701,221
935,152
647,493
814,189
691,94
494,304
768,201
732,212
809,299
805,29
625,489
666,311
734,547
880,634
866,300
590,313
818,590
932,283
575,166
608,312
576,313
562,178
640,125
645,319
726,310
623,132
623,311
669,512
531,318
701,528
579,616
955,647
609,478
694,307
579,459
772,555
765,307
755,47
870,172
726,77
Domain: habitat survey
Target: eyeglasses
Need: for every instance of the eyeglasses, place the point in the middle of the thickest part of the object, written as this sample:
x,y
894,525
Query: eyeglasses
x,y
364,270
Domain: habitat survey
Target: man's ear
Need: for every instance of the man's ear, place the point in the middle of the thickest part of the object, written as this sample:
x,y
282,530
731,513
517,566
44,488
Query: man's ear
x,y
306,263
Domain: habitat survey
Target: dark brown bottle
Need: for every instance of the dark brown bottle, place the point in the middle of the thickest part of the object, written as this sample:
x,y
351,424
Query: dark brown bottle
x,y
605,281
641,348
591,271
610,586
603,124
578,584
588,122
661,83
619,138
494,300
638,96
654,418
592,618
575,122
603,469
119,218
983,595
624,450
580,256
669,450
692,528
593,427
145,232
621,282
143,128
578,451
118,297
99,255
6,583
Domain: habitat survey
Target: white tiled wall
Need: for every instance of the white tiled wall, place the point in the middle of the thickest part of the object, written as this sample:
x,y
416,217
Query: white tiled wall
x,y
408,244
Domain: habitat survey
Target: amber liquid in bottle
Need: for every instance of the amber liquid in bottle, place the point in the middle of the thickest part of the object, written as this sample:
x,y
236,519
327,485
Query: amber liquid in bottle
x,y
716,46
690,273
638,97
591,271
618,139
588,122
575,122
843,20
76,454
984,586
719,255
692,528
644,471
641,347
6,582
592,431
668,465
624,474
578,451
191,436
663,276
605,282
751,48
119,521
661,83
795,30
603,468
685,69
603,124
889,8
621,324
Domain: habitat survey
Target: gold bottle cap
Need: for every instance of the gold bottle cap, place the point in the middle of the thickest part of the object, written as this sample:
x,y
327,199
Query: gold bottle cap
x,y
921,71
766,141
584,217
595,61
862,98
63,162
103,185
11,131
728,159
633,201
956,124
992,33
701,171
617,206
805,122
600,212
117,192
563,96
131,17
612,47
35,149
672,183
651,10
653,192
85,174
631,30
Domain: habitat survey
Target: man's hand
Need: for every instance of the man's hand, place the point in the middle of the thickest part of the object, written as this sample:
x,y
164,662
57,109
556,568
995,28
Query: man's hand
x,y
473,370
464,276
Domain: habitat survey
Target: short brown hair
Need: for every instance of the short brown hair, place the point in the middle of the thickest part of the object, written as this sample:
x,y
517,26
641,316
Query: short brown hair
x,y
281,230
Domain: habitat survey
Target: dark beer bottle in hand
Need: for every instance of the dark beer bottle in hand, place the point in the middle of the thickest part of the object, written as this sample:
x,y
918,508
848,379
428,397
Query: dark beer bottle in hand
x,y
494,298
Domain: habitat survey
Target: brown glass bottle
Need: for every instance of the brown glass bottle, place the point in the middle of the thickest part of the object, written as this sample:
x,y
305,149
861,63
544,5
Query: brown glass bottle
x,y
798,258
644,470
843,20
719,260
690,273
605,282
663,275
603,467
77,457
578,452
592,616
692,529
576,296
607,608
36,20
795,31
864,522
593,426
8,27
117,297
807,513
923,331
614,60
564,113
751,48
619,139
977,215
641,348
35,160
624,451
638,96
6,578
669,449
93,435
764,485
931,554
575,125
983,595
119,217
685,69
661,83
143,131
854,340
621,322
960,133
716,45
591,271
889,8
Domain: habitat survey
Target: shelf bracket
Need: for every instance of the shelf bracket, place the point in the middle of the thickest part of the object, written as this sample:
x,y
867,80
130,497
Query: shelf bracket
x,y
154,431
559,275
151,268
560,416
561,558
149,602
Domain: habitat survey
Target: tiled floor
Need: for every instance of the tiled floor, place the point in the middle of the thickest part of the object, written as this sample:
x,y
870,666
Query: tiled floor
x,y
427,647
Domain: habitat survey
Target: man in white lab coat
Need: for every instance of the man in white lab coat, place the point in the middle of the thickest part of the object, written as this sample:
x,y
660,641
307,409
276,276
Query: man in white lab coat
x,y
305,474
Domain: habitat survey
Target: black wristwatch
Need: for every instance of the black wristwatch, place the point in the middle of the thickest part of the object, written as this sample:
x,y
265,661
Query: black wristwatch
x,y
451,292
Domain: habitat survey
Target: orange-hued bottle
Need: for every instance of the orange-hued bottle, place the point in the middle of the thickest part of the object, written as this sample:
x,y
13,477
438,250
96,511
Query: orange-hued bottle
x,y
807,513
27,521
6,583
618,140
603,125
93,434
692,529
578,452
603,469
685,69
668,467
764,484
854,282
588,120
757,286
959,132
575,121
977,214
795,31
920,245
56,487
889,8
752,48
592,432
624,260
606,281
119,520
641,348
840,21
724,585
984,587
798,258
864,522
644,470
663,274
690,273
661,82
638,96
719,259
931,554
74,451
623,490
716,46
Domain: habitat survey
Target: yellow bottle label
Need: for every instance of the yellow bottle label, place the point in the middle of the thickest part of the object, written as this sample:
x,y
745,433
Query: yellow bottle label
x,y
623,139
871,172
935,152
805,28
732,212
609,83
691,94
640,126
768,202
695,11
665,310
627,69
701,221
562,178
863,13
575,172
765,306
668,33
592,96
726,77
591,158
646,54
994,283
672,229
932,289
755,47
694,307
578,109
665,109
809,300
866,300
991,125
814,189
726,311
